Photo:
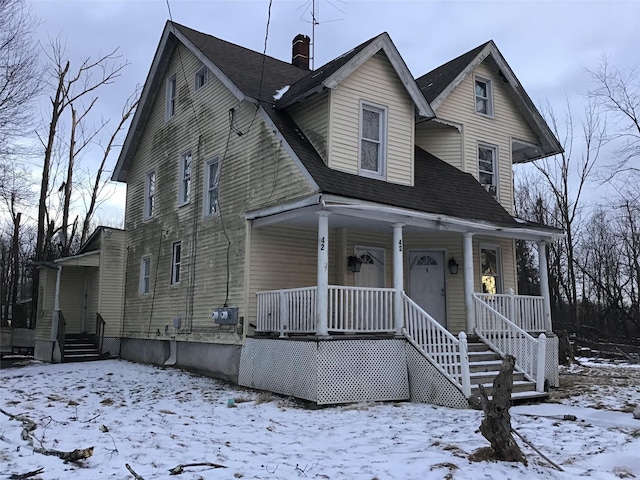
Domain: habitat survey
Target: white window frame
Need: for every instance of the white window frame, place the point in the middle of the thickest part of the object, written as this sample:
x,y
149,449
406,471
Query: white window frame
x,y
494,175
170,97
489,98
176,261
211,185
185,178
499,274
201,78
145,275
382,151
149,194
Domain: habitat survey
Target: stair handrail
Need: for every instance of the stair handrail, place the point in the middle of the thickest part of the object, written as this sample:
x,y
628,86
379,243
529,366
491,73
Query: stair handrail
x,y
100,326
505,337
61,334
437,344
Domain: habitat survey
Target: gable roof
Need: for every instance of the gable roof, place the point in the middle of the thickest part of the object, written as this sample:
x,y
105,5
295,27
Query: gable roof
x,y
439,83
331,74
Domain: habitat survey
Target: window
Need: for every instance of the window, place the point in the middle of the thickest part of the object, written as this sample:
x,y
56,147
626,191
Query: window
x,y
487,168
184,189
202,78
372,140
170,108
484,97
490,269
145,275
149,194
211,187
175,263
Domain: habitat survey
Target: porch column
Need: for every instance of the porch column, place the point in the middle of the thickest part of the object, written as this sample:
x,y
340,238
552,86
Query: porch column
x,y
467,254
398,278
322,297
544,284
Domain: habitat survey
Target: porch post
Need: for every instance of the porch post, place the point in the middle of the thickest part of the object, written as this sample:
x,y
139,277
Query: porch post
x,y
467,254
544,284
398,280
323,274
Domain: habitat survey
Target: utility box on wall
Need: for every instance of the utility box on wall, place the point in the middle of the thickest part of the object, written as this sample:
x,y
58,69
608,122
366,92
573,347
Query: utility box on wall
x,y
225,316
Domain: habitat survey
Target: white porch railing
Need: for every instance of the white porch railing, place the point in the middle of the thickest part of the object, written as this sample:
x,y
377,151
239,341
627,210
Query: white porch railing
x,y
525,311
506,337
360,309
289,310
448,353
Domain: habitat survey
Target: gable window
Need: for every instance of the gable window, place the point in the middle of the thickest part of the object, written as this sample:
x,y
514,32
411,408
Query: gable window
x,y
373,131
202,78
487,168
490,269
145,275
170,107
149,194
484,97
175,263
211,187
184,189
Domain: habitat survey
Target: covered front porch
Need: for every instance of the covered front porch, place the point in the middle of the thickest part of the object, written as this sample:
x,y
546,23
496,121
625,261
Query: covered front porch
x,y
449,280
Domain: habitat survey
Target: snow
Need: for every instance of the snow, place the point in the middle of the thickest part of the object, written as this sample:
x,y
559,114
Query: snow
x,y
281,92
158,418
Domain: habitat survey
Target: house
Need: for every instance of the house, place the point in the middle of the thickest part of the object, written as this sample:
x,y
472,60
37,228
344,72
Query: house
x,y
338,235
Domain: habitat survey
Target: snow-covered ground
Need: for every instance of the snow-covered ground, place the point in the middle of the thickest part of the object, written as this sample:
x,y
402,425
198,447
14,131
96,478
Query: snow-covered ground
x,y
157,418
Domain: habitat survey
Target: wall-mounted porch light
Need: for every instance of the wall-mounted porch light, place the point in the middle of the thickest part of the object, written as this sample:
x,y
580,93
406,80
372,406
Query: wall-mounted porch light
x,y
453,266
354,263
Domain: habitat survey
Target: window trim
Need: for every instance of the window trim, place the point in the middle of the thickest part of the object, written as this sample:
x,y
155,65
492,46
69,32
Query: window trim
x,y
381,173
489,87
500,274
146,259
149,203
199,74
176,263
495,178
208,188
171,91
182,188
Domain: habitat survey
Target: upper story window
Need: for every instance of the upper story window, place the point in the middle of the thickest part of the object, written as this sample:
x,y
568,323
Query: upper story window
x,y
145,275
484,97
175,263
184,188
202,77
487,168
211,187
149,194
170,107
373,133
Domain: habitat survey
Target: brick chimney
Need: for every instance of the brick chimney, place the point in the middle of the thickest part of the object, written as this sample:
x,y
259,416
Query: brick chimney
x,y
300,51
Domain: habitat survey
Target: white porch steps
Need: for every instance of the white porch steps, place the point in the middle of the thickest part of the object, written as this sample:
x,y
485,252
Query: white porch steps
x,y
484,365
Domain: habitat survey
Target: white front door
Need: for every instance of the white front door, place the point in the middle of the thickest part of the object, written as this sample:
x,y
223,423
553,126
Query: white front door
x,y
371,272
426,282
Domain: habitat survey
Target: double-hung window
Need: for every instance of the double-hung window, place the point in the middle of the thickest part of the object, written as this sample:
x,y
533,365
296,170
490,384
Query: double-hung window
x,y
184,188
487,168
373,133
484,96
175,263
145,275
490,269
212,179
170,105
149,194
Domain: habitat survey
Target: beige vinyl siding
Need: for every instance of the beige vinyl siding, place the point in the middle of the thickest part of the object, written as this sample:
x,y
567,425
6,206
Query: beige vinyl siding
x,y
92,293
312,116
498,131
112,258
255,172
442,141
375,82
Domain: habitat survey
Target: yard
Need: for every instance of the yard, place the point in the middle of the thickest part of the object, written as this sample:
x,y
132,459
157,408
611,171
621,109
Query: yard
x,y
155,419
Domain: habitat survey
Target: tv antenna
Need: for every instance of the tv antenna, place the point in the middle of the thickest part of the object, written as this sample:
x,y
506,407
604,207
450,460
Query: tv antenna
x,y
313,8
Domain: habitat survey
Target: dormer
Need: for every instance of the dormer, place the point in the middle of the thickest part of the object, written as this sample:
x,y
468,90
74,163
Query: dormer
x,y
359,112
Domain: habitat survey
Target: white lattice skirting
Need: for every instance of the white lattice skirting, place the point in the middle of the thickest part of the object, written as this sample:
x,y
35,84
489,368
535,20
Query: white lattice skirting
x,y
345,371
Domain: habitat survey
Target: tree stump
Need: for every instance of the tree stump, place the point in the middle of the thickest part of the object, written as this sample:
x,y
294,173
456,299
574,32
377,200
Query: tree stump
x,y
496,425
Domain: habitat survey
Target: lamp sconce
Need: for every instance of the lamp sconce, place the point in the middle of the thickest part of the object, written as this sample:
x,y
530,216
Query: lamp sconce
x,y
354,263
453,266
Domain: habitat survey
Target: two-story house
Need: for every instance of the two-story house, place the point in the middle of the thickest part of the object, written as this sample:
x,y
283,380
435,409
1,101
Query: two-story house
x,y
339,235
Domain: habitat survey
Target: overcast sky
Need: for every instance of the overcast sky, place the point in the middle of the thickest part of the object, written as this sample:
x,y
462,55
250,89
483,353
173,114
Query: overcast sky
x,y
548,44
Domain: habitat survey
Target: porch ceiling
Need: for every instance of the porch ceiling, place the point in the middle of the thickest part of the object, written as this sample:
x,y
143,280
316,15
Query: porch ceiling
x,y
89,259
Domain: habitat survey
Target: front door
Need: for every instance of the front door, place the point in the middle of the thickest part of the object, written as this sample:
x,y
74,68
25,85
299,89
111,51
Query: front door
x,y
370,311
426,282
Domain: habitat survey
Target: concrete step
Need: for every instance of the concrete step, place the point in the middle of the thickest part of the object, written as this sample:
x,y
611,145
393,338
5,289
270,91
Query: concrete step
x,y
80,357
